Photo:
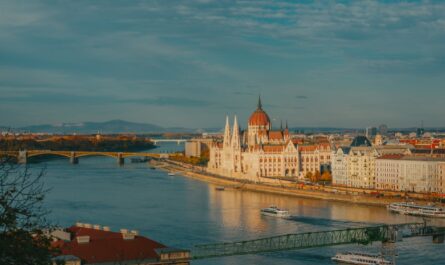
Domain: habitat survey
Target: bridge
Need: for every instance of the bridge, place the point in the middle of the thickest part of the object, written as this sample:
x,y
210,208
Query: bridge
x,y
23,156
387,234
178,141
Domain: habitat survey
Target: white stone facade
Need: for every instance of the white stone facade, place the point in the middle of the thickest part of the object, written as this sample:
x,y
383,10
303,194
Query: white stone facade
x,y
255,153
410,174
356,166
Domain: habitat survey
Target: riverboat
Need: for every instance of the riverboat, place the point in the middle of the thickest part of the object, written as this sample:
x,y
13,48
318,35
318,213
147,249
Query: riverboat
x,y
357,258
410,208
275,211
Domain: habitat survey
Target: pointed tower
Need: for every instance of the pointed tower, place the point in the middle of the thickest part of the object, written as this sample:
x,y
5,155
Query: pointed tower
x,y
259,106
236,143
286,132
227,133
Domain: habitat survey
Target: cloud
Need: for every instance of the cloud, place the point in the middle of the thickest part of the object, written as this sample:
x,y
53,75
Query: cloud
x,y
147,55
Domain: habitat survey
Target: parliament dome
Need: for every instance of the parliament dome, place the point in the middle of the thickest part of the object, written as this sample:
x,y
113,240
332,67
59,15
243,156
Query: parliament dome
x,y
259,117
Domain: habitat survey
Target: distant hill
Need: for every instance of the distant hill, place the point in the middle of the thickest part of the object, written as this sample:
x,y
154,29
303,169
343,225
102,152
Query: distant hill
x,y
113,126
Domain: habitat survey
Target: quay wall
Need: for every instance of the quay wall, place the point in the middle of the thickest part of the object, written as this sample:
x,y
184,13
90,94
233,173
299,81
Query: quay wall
x,y
289,188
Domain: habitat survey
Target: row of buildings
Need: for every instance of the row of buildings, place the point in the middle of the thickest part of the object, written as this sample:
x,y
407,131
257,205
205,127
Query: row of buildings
x,y
260,153
388,167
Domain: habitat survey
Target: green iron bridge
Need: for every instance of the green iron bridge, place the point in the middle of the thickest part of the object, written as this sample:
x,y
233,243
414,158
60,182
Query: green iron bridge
x,y
363,235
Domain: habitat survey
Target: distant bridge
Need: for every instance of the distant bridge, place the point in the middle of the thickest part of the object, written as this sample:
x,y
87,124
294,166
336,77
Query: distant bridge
x,y
22,156
387,234
178,141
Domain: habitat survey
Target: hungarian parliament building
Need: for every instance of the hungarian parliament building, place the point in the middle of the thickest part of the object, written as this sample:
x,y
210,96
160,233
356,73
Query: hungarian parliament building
x,y
260,152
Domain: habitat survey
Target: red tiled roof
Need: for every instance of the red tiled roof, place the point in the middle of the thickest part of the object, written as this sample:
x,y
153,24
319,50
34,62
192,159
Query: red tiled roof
x,y
259,118
273,148
307,147
106,246
391,156
275,135
297,141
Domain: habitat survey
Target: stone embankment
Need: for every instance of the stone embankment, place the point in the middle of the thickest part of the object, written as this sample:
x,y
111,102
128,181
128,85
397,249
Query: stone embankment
x,y
286,187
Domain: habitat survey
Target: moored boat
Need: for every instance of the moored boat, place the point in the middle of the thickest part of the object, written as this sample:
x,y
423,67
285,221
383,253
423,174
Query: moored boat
x,y
275,211
410,208
357,258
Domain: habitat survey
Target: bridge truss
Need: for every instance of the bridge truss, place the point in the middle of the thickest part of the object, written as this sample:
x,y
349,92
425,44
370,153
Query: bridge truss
x,y
363,235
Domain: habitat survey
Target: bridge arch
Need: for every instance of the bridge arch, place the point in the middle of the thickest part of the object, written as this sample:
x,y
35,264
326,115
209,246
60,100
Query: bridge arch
x,y
29,155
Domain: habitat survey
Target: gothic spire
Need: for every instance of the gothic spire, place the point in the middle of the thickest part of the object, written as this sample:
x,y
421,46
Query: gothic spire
x,y
259,106
235,135
227,132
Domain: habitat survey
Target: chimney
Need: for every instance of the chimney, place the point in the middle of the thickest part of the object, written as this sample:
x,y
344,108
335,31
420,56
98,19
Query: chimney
x,y
97,227
83,239
127,235
106,228
79,224
88,226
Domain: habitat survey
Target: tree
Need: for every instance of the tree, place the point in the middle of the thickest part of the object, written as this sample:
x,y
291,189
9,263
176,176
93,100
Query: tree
x,y
326,176
23,228
316,177
309,176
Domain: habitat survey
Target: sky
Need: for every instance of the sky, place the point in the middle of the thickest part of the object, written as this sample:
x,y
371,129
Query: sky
x,y
190,63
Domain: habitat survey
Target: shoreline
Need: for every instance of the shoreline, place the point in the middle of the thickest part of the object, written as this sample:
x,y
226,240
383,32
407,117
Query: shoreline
x,y
279,190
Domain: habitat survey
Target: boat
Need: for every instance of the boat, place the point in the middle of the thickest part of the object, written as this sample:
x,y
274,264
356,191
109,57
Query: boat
x,y
275,211
410,208
220,188
171,173
357,258
152,168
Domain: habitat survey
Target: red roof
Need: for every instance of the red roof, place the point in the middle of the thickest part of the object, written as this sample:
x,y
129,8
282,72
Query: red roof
x,y
259,118
273,148
275,135
391,156
307,148
106,246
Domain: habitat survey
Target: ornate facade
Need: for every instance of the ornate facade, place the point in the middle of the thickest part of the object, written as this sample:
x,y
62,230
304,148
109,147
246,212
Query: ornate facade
x,y
256,152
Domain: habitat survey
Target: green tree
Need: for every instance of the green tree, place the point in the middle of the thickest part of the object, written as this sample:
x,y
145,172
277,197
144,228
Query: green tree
x,y
23,227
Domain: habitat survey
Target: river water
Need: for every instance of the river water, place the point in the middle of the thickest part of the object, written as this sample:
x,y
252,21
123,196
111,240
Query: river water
x,y
181,212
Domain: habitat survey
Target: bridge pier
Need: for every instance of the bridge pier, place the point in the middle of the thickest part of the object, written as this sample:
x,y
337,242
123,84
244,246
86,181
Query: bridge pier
x,y
23,157
120,159
74,159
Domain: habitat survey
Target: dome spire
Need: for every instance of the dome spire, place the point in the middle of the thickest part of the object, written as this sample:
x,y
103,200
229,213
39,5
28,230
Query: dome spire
x,y
260,106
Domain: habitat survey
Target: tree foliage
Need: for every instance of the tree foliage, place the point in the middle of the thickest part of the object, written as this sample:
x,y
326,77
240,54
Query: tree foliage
x,y
22,216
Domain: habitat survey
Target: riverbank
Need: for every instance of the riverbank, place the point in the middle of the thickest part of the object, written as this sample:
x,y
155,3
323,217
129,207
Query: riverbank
x,y
282,188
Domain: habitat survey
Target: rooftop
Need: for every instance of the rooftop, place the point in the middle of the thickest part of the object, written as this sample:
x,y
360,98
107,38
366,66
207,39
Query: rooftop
x,y
107,246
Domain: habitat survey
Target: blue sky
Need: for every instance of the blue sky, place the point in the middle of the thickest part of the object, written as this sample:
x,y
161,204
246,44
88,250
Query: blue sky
x,y
189,63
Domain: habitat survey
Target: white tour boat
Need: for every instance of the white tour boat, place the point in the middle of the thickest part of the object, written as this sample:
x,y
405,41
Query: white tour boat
x,y
275,211
357,258
411,208
171,174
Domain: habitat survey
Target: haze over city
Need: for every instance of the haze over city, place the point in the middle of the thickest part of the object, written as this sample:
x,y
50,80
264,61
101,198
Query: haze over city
x,y
324,63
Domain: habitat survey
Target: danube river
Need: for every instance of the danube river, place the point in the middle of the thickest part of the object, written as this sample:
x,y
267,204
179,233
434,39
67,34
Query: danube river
x,y
181,212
